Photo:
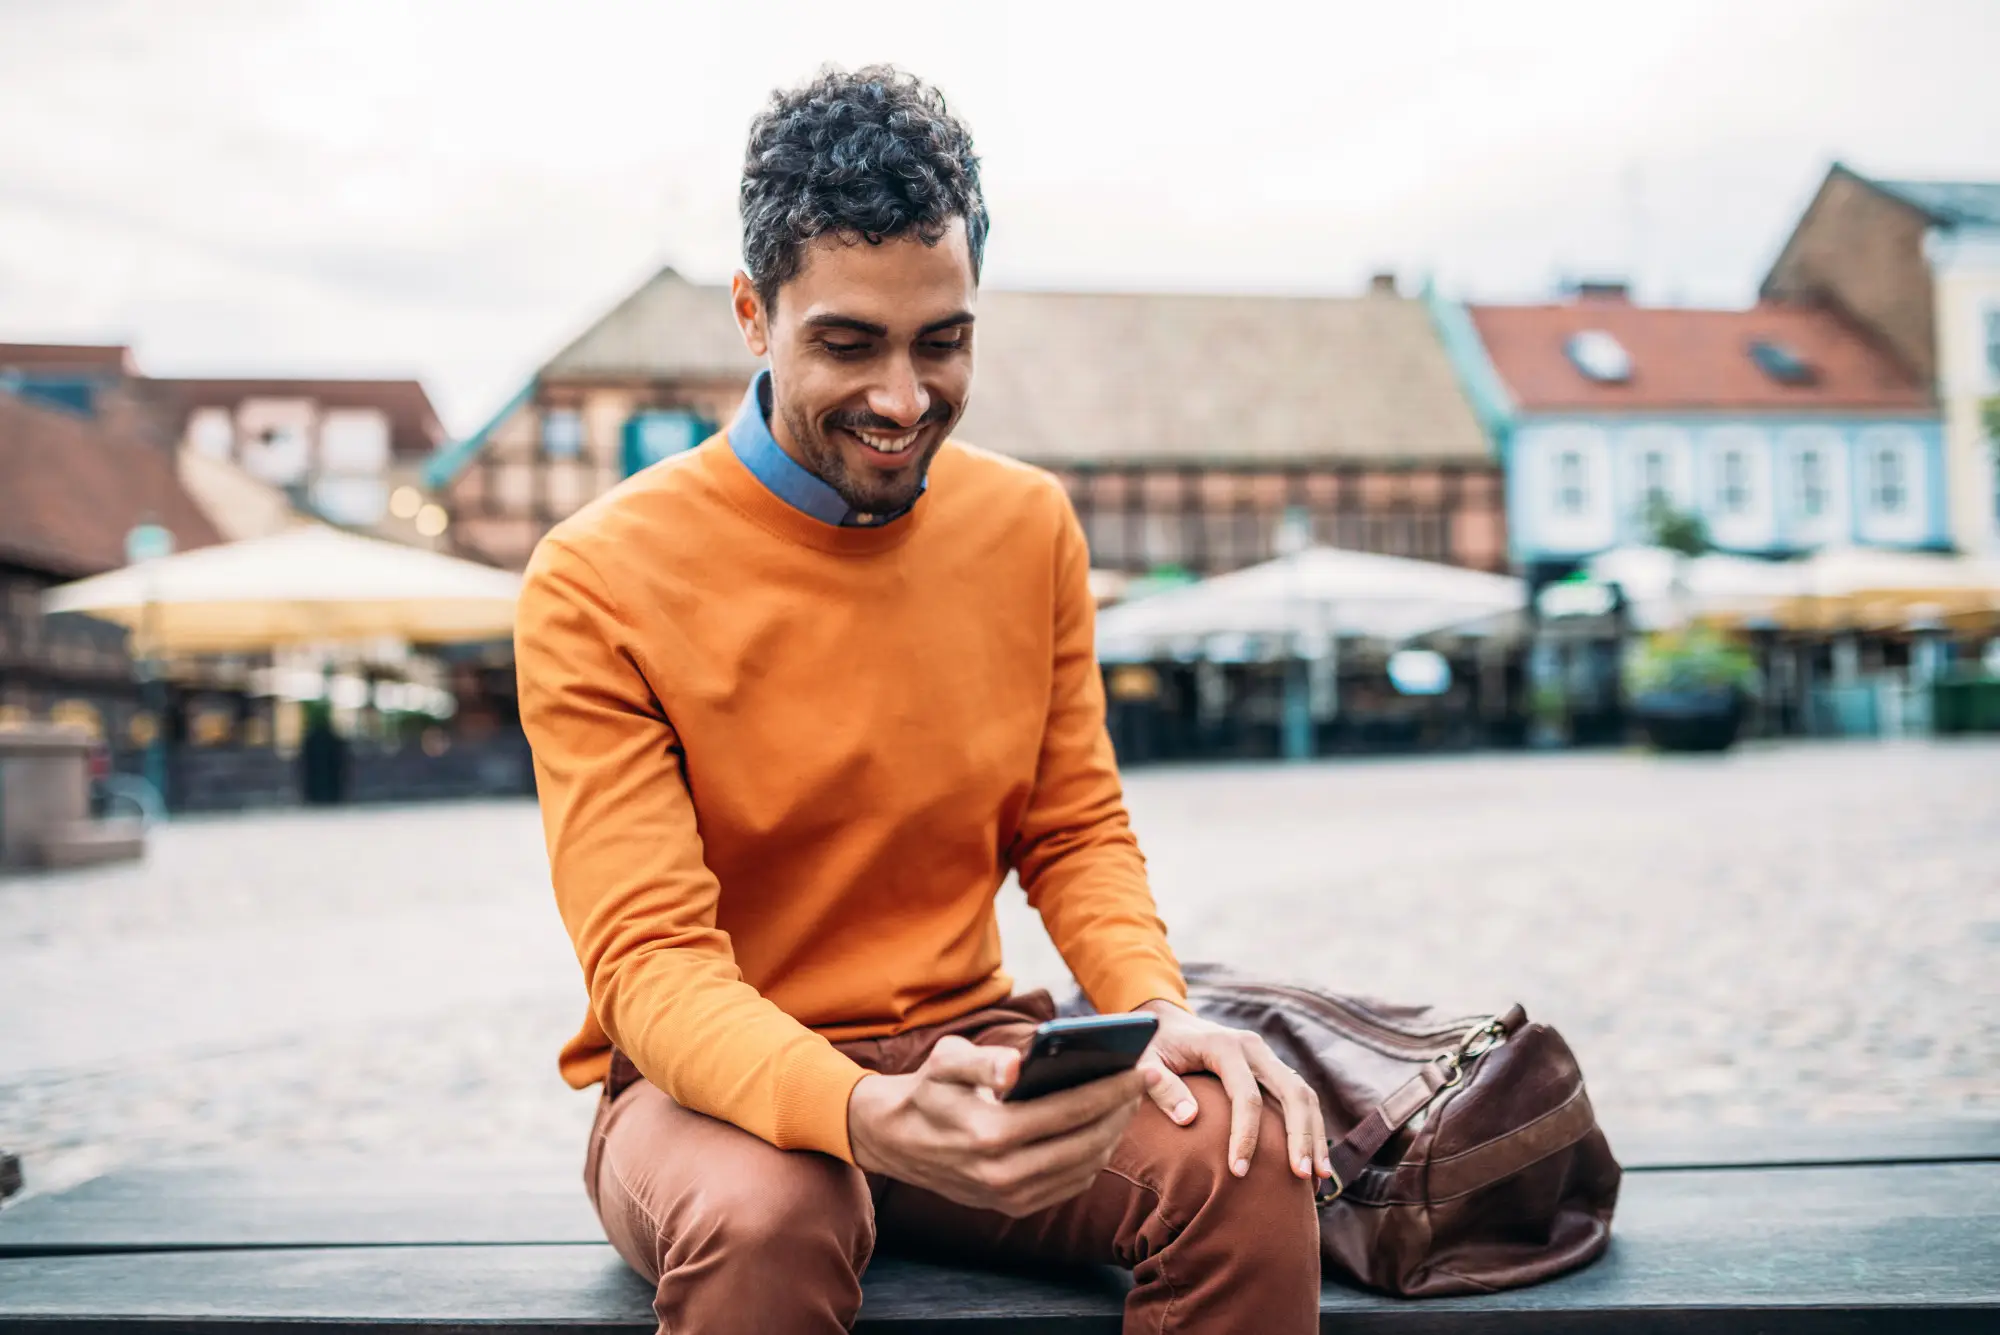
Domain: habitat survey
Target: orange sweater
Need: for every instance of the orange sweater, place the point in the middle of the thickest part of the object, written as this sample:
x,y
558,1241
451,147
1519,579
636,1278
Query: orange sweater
x,y
784,768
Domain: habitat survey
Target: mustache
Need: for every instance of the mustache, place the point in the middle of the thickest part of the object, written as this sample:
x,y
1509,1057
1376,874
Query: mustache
x,y
851,420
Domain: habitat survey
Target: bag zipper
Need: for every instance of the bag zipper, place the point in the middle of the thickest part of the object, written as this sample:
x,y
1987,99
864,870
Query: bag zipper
x,y
1350,1017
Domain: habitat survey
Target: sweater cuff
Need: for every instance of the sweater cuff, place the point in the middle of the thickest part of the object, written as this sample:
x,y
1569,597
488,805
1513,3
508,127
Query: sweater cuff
x,y
1132,991
813,1090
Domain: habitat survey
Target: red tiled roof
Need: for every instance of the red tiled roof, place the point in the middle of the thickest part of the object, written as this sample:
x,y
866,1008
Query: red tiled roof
x,y
102,358
1692,360
73,488
414,428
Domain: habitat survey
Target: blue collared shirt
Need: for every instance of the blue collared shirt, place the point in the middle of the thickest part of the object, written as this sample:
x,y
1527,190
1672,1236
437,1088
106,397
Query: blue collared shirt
x,y
789,480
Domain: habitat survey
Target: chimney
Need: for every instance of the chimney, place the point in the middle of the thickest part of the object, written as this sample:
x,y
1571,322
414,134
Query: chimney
x,y
1382,284
1604,289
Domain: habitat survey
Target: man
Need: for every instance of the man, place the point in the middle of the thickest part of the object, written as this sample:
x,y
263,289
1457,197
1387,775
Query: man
x,y
800,699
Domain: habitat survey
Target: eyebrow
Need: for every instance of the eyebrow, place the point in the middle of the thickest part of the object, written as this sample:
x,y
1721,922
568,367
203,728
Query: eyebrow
x,y
874,330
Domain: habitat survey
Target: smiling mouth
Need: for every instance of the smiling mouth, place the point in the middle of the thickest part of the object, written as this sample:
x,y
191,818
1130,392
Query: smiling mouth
x,y
884,444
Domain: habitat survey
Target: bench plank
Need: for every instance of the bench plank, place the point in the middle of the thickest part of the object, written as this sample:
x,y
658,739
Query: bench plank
x,y
331,1203
1800,1144
313,1204
1774,1250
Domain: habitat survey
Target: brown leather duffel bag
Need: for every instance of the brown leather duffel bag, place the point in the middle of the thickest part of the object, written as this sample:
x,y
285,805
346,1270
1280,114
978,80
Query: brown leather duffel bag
x,y
1466,1154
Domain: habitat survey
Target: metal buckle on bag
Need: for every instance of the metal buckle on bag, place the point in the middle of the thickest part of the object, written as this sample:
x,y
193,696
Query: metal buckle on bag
x,y
1328,1192
1479,1040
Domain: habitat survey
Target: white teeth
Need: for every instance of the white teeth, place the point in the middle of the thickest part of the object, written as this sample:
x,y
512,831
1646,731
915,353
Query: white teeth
x,y
890,444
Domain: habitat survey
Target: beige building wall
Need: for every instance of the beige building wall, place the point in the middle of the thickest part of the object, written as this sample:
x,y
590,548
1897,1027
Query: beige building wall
x,y
511,492
1967,270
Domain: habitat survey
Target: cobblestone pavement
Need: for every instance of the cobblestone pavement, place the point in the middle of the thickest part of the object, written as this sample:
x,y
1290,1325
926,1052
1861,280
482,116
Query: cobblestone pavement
x,y
1799,932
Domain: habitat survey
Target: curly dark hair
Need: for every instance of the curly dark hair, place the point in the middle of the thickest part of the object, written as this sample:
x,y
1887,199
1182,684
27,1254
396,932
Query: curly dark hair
x,y
875,153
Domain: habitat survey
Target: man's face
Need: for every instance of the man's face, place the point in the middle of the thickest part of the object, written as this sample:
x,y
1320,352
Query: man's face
x,y
871,360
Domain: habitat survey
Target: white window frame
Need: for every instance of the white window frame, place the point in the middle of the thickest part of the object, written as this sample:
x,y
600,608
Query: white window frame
x,y
572,446
354,442
1886,474
1812,483
1572,482
211,432
1732,494
1656,480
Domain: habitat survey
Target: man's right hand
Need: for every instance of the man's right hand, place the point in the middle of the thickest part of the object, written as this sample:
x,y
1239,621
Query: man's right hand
x,y
943,1128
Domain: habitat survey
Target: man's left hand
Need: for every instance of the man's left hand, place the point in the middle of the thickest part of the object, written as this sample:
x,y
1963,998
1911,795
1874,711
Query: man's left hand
x,y
1244,1062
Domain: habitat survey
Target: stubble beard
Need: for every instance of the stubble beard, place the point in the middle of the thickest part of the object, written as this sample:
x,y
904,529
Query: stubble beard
x,y
827,462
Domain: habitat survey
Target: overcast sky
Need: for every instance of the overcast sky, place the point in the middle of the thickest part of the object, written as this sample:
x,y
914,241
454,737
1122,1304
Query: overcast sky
x,y
452,190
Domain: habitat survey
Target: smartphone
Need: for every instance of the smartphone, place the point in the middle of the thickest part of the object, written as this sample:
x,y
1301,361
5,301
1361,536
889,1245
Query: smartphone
x,y
1072,1052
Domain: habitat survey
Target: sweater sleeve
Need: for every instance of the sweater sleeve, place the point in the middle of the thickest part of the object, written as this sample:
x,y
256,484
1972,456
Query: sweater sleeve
x,y
639,901
1075,853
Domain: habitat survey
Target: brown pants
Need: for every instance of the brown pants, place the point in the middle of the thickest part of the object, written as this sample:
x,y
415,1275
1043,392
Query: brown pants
x,y
741,1236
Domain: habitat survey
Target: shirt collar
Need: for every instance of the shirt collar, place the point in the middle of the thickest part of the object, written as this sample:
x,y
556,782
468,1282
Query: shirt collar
x,y
785,477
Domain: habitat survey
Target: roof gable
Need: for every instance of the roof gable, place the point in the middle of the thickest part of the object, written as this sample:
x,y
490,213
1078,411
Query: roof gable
x,y
1950,203
667,326
1173,377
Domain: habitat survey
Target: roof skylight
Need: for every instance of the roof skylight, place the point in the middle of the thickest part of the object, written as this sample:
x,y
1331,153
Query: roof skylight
x,y
1600,356
1783,364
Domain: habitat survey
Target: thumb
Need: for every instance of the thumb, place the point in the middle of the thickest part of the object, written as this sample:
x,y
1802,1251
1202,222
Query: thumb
x,y
1168,1090
958,1062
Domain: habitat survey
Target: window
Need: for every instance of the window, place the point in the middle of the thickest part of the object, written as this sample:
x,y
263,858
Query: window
x,y
1653,492
212,433
1782,363
1888,490
1732,492
652,436
355,499
1599,356
562,433
354,441
1812,487
1572,484
277,454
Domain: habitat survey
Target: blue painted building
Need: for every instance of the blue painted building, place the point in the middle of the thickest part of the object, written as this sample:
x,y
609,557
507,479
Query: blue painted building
x,y
1784,428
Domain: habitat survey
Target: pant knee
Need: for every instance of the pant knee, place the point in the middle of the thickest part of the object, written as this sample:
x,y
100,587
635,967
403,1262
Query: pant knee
x,y
817,1211
1270,1209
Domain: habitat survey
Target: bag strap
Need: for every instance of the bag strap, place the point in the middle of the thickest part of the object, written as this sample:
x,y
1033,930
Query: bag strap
x,y
1352,1152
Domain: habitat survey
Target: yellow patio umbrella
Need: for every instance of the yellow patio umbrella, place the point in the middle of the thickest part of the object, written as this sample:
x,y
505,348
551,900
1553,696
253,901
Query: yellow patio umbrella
x,y
307,586
1857,588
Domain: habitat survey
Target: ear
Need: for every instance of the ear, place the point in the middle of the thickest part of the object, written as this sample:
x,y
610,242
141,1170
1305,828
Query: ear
x,y
747,305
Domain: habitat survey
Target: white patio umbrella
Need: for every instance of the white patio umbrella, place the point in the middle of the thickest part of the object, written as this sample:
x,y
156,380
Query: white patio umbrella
x,y
1317,592
309,585
1716,586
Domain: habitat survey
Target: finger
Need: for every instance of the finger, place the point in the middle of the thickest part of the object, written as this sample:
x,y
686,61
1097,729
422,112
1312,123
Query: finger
x,y
1301,1109
958,1062
1246,1102
1172,1094
1322,1156
1035,1176
1067,1110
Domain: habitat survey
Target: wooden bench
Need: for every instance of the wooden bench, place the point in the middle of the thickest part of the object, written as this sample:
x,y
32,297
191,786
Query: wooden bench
x,y
1812,1230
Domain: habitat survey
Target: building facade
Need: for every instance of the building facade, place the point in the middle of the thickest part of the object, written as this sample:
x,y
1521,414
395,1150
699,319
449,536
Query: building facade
x,y
1916,264
72,486
1783,428
1188,429
336,449
255,452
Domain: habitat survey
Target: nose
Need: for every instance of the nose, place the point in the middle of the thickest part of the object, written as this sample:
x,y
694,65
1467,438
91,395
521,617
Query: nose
x,y
900,395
